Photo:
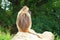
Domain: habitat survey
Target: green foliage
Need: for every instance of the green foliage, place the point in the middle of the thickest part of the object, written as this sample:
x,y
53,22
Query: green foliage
x,y
45,14
5,36
57,38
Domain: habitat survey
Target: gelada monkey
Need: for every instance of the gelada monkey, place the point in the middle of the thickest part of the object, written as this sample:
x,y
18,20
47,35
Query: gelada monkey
x,y
24,20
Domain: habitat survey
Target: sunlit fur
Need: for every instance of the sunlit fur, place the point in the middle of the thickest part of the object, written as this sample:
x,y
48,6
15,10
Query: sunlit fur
x,y
23,19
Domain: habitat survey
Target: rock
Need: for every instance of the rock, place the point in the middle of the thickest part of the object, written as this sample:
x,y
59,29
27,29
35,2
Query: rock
x,y
25,36
29,36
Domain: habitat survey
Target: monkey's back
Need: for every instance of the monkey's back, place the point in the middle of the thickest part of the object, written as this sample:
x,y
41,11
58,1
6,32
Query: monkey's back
x,y
23,22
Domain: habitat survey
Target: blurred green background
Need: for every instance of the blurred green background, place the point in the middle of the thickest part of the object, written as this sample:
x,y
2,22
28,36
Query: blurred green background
x,y
45,16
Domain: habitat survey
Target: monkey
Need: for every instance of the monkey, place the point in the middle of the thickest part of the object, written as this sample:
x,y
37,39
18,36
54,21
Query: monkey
x,y
24,19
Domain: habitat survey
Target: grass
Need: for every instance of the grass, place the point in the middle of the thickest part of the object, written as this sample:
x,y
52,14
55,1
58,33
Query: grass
x,y
57,38
4,36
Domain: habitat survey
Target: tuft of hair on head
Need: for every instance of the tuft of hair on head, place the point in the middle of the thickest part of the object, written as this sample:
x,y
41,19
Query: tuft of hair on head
x,y
24,19
25,8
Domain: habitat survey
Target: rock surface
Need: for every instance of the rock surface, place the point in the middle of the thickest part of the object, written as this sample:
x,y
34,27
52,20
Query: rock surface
x,y
29,36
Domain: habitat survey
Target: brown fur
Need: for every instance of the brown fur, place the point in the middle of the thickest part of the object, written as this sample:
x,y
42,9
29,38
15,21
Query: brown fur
x,y
24,19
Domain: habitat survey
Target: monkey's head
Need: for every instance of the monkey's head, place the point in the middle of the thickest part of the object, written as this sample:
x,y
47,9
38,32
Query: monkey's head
x,y
24,19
